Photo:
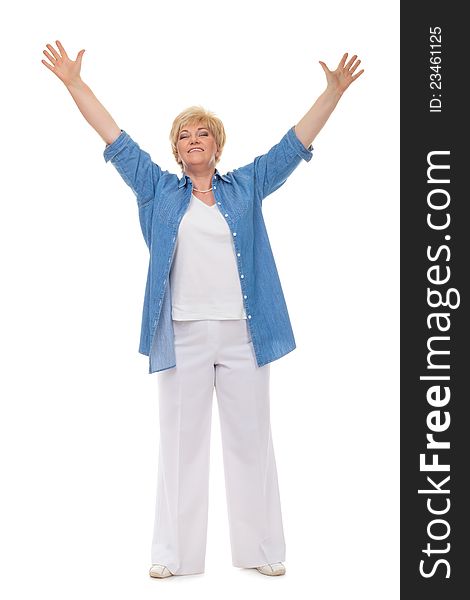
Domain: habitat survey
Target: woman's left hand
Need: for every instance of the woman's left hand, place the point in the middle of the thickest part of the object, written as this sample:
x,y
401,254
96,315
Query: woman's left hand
x,y
341,78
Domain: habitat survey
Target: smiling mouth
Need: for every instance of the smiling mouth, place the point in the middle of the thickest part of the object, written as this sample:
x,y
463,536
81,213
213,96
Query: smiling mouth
x,y
195,150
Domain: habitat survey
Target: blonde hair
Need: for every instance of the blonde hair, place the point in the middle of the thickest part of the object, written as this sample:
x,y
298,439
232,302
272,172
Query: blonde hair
x,y
196,115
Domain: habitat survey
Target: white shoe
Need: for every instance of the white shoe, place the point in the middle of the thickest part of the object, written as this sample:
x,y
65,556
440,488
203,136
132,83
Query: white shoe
x,y
159,571
272,569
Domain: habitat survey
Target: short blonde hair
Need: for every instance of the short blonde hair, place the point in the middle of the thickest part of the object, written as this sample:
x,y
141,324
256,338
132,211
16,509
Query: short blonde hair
x,y
193,115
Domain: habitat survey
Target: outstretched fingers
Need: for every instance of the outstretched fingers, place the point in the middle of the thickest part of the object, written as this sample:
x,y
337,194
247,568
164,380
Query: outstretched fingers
x,y
61,49
54,52
342,61
357,75
55,56
49,56
351,61
354,67
50,67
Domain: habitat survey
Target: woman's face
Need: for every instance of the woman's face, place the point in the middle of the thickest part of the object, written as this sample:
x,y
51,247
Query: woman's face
x,y
196,147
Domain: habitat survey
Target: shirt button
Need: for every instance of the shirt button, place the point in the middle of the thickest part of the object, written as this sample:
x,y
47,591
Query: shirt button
x,y
234,233
249,316
244,296
218,202
238,253
242,276
226,215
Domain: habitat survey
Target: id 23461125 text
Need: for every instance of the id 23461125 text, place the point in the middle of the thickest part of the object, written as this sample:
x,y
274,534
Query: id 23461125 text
x,y
435,66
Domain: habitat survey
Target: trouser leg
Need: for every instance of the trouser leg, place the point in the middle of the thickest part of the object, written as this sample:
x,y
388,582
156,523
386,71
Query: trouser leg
x,y
185,408
253,501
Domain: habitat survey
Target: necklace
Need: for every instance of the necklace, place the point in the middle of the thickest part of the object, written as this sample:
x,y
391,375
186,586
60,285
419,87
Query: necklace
x,y
203,191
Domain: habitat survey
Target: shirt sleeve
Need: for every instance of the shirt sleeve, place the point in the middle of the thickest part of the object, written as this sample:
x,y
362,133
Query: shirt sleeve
x,y
135,166
271,170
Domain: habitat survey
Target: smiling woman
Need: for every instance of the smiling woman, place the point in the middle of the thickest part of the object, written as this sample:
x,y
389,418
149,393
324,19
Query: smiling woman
x,y
197,139
214,316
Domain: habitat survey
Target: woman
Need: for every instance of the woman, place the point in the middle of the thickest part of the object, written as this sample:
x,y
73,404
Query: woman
x,y
214,317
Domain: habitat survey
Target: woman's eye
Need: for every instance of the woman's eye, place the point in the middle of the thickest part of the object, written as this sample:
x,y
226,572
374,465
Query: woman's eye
x,y
186,135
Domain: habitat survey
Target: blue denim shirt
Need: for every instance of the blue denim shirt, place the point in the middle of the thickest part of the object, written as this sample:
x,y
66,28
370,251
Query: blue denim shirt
x,y
162,200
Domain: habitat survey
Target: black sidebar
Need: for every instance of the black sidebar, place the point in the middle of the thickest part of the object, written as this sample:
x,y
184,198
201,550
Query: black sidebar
x,y
434,305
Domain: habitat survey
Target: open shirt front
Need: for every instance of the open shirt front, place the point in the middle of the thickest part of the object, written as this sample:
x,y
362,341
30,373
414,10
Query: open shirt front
x,y
162,200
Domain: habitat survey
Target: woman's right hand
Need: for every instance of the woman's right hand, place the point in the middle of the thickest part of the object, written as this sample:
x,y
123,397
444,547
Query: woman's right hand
x,y
66,70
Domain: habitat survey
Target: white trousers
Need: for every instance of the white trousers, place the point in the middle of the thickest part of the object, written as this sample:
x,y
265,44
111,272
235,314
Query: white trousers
x,y
215,354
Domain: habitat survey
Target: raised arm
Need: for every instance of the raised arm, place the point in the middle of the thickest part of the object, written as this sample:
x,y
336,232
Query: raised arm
x,y
338,82
68,71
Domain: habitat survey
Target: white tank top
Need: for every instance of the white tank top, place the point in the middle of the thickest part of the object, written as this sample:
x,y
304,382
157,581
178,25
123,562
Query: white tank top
x,y
204,278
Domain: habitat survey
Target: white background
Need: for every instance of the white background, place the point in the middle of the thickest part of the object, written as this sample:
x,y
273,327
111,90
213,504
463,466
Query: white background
x,y
79,411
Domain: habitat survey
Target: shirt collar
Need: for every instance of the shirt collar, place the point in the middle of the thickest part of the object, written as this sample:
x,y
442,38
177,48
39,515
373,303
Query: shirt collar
x,y
184,178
